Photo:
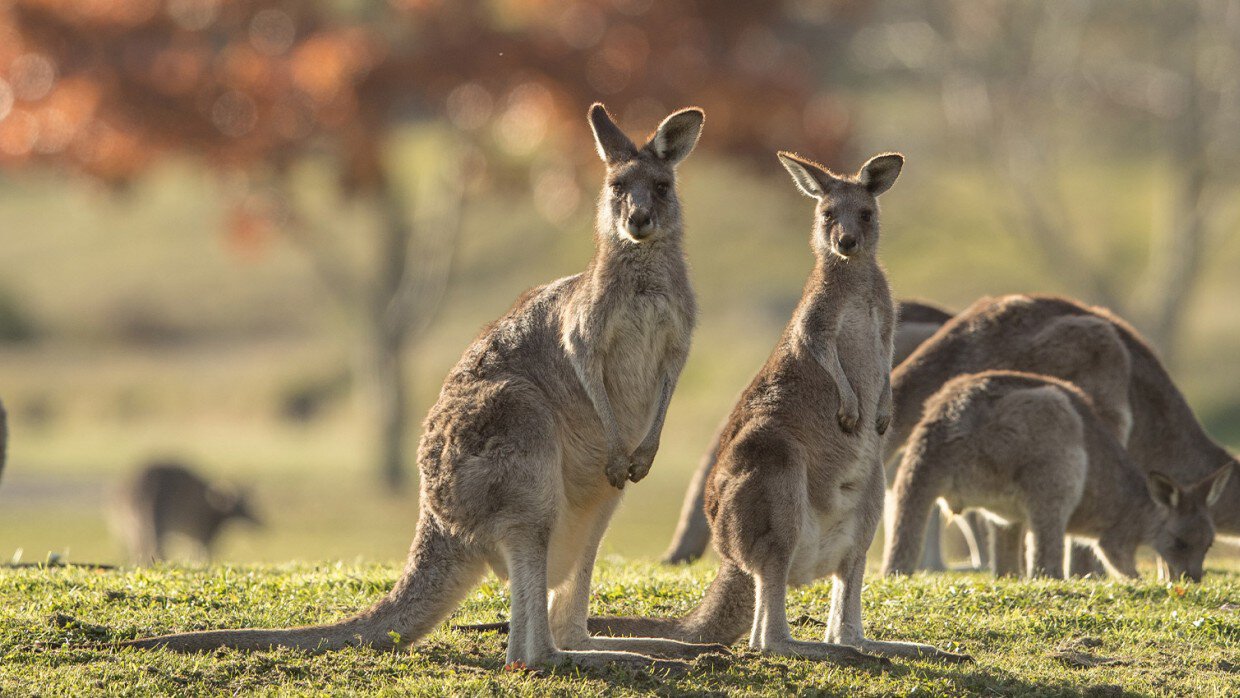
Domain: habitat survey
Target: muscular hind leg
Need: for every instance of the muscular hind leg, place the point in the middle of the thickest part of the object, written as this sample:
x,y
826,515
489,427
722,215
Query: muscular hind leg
x,y
530,641
844,626
1006,549
570,607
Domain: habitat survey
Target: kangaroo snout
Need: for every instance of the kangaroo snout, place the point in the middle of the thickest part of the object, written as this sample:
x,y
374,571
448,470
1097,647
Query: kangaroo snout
x,y
638,225
847,244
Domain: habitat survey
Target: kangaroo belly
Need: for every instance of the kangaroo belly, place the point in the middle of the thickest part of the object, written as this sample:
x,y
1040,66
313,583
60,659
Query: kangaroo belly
x,y
642,338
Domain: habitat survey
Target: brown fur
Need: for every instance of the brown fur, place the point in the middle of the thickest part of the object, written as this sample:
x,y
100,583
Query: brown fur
x,y
1031,451
1090,347
545,417
915,322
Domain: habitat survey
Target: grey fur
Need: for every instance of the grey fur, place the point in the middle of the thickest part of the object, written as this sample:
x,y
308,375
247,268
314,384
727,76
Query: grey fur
x,y
1030,450
916,321
538,427
166,497
1089,347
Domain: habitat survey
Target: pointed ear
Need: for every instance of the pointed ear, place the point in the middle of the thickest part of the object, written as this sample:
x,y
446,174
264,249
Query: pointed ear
x,y
810,177
610,142
880,172
1218,482
676,136
1163,489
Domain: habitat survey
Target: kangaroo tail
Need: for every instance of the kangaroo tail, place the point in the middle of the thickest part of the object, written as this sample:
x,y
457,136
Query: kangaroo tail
x,y
915,491
722,617
693,530
439,572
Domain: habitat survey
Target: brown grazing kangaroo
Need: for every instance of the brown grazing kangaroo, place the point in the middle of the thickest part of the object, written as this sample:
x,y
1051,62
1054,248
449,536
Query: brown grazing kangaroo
x,y
915,322
1031,450
797,491
1065,339
165,497
538,427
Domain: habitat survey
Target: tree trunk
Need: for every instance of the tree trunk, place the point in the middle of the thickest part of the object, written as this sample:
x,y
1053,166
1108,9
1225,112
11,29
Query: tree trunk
x,y
390,390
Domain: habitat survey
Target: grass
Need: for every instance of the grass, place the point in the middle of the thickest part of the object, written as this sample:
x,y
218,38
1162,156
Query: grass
x,y
1028,637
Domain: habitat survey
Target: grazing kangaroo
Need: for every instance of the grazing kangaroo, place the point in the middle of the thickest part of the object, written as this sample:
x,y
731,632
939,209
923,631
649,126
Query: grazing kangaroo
x,y
797,491
915,322
165,497
538,427
1031,450
1065,339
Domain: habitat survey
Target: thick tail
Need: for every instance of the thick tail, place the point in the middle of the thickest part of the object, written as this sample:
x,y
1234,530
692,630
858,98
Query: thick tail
x,y
915,491
724,615
693,531
438,574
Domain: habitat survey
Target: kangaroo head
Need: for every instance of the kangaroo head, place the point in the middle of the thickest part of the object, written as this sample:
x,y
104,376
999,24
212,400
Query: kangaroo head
x,y
1186,529
639,200
233,503
846,221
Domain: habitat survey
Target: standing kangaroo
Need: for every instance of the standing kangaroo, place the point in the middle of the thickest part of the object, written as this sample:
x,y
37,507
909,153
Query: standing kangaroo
x,y
1089,347
797,491
165,497
915,322
1031,450
538,427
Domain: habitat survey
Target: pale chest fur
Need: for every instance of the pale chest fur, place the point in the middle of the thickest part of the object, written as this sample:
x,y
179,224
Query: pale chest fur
x,y
641,339
865,354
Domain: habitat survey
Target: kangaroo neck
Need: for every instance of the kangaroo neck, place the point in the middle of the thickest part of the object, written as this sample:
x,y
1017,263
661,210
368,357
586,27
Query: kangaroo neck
x,y
650,266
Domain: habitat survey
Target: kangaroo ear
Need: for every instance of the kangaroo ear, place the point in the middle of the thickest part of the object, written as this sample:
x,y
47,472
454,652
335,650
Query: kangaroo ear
x,y
610,142
1218,482
880,172
811,178
676,136
1163,489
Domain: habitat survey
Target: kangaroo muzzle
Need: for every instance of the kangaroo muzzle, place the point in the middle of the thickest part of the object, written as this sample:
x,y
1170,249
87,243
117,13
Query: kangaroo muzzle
x,y
639,225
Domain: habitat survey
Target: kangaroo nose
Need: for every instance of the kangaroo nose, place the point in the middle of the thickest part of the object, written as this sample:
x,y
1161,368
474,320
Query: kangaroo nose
x,y
639,219
848,243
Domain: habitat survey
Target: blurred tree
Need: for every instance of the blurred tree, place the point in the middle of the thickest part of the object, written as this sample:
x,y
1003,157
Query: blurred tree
x,y
1009,72
252,88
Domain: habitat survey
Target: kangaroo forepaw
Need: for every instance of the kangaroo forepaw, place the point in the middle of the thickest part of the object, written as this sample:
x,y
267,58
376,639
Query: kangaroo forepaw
x,y
848,420
882,423
618,468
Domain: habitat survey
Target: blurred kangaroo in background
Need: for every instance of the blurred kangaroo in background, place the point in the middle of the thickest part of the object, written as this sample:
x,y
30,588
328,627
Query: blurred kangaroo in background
x,y
1031,450
536,430
1095,350
166,497
797,491
915,321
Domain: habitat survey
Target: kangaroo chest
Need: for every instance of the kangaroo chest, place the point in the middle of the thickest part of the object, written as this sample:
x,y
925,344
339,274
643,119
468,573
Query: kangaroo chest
x,y
642,339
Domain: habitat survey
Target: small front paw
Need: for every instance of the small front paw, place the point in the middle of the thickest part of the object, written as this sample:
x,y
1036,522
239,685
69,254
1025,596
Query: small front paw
x,y
849,418
640,467
881,423
618,467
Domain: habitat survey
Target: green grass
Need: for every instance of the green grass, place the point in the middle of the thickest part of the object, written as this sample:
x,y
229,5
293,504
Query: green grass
x,y
1028,637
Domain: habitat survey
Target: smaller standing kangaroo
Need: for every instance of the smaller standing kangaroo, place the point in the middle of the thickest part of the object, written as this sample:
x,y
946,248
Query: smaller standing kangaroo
x,y
915,322
1030,450
166,497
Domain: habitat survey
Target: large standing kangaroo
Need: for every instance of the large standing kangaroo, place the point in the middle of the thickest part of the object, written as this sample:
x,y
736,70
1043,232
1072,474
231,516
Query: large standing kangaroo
x,y
538,427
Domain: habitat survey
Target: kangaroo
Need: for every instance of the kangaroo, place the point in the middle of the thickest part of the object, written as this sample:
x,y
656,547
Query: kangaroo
x,y
1030,450
551,410
915,322
1089,347
166,497
797,491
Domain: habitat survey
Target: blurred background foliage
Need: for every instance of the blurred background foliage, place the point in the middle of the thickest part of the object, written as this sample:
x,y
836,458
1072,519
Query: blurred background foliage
x,y
257,233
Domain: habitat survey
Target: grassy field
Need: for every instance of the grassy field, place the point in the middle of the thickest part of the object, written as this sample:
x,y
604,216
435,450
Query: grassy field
x,y
1078,637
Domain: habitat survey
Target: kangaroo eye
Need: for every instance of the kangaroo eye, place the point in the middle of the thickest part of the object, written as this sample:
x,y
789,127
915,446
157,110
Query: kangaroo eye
x,y
616,188
867,216
661,188
829,215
